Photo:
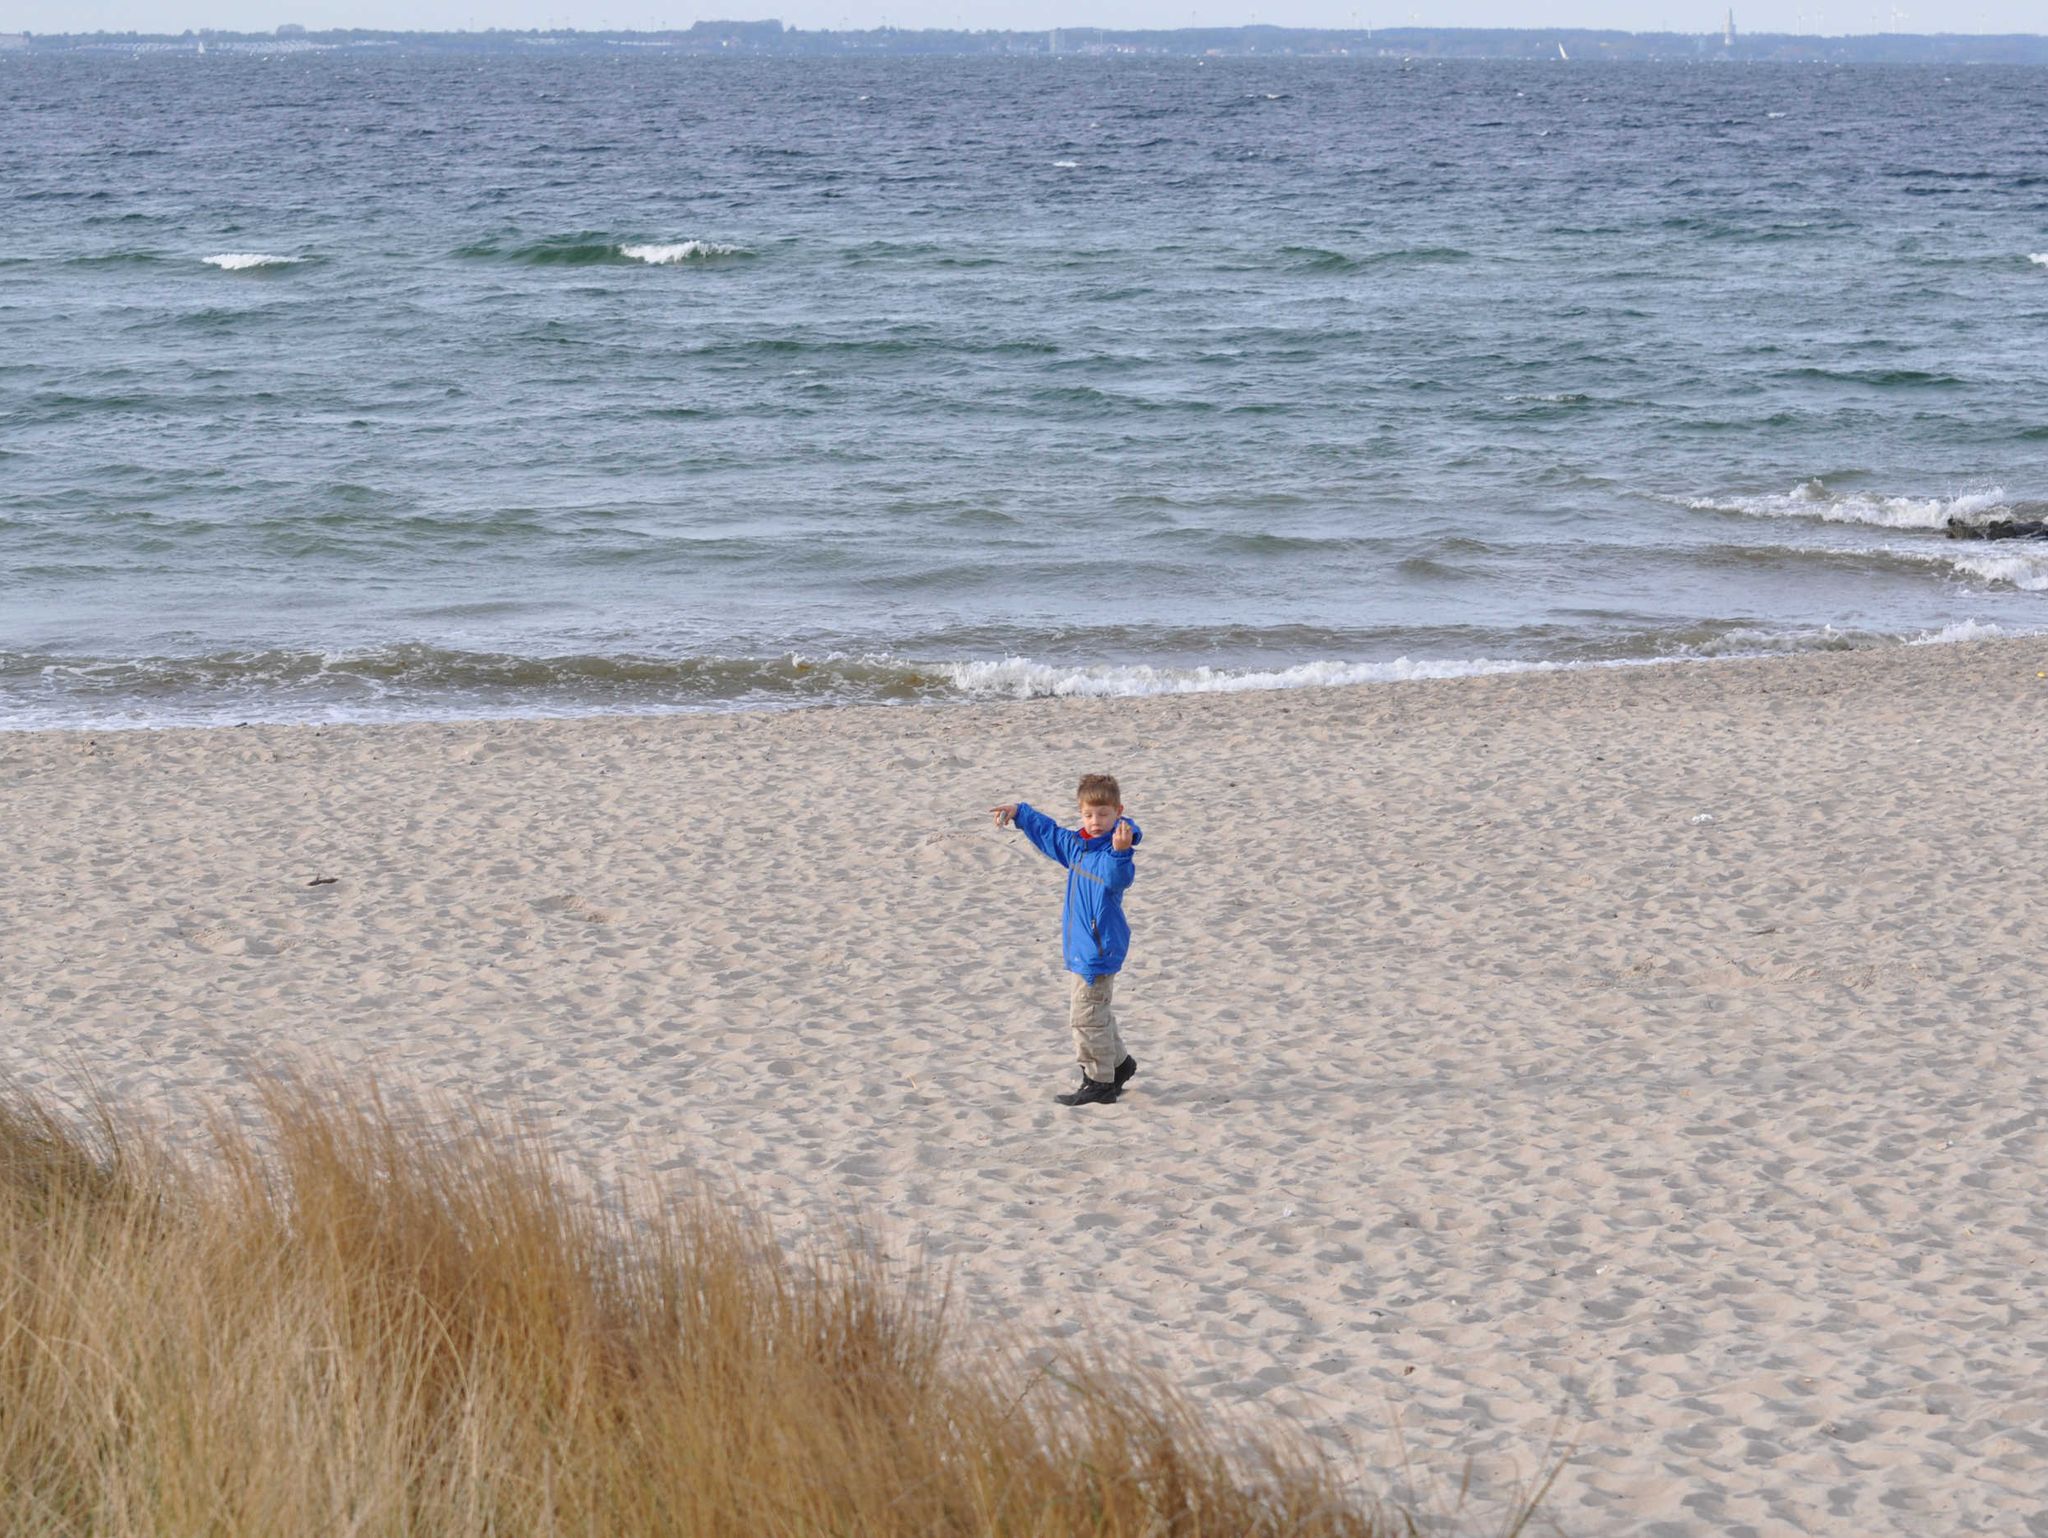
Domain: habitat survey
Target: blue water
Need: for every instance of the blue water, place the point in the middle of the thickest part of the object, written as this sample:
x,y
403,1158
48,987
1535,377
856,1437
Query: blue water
x,y
371,386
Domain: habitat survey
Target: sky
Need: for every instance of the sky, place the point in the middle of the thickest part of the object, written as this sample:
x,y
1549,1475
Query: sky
x,y
1822,16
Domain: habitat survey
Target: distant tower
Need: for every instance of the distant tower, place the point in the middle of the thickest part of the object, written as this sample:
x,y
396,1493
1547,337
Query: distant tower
x,y
1728,32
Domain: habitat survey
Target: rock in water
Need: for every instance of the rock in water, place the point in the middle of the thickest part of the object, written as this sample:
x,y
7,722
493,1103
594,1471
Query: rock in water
x,y
1998,528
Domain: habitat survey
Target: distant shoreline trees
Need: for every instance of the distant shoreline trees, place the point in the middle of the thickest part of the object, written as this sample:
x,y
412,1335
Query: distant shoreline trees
x,y
772,38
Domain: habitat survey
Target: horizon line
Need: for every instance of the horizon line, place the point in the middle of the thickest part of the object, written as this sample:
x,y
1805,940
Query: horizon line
x,y
700,28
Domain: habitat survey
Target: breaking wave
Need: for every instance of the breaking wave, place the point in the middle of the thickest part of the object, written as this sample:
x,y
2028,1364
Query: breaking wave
x,y
596,249
680,251
247,261
416,682
1964,631
1021,678
1812,499
2016,564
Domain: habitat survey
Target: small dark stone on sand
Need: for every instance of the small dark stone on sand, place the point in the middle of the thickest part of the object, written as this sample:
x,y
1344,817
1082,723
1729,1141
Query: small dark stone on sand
x,y
323,881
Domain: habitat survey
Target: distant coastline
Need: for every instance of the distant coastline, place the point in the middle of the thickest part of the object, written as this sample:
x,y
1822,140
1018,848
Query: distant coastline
x,y
771,38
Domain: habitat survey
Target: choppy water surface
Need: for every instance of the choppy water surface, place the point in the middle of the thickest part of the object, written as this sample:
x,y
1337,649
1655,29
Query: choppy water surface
x,y
370,386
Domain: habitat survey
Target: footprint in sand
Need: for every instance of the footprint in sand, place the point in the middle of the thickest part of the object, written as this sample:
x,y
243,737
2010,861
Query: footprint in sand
x,y
569,905
219,940
951,851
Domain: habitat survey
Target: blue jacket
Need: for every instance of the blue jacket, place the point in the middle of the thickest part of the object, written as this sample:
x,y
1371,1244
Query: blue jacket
x,y
1094,934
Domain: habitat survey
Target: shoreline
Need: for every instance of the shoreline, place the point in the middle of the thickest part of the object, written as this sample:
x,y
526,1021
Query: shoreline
x,y
1096,682
1656,1043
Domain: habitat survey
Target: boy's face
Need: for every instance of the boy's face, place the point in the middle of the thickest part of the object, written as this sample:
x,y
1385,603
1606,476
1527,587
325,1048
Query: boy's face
x,y
1098,817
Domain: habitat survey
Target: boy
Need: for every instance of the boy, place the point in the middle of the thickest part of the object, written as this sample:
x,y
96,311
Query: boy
x,y
1094,933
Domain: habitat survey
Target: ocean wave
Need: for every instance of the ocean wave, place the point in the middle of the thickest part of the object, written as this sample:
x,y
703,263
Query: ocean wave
x,y
1256,543
1551,398
1321,260
1964,631
423,682
1415,256
2030,575
1879,378
1735,642
1316,259
419,681
680,251
247,261
112,259
1021,678
1728,643
586,248
2007,564
2038,258
1812,499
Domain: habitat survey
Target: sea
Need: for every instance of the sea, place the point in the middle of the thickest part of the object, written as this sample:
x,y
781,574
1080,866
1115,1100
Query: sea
x,y
368,385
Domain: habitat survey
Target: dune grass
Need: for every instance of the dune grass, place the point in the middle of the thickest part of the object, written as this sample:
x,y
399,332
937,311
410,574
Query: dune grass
x,y
355,1321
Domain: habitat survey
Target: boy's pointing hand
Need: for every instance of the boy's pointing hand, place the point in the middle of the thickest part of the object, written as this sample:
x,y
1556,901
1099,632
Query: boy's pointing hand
x,y
1004,815
1121,839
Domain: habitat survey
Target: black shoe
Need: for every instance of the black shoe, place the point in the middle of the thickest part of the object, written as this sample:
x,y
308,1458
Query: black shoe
x,y
1124,1070
1091,1092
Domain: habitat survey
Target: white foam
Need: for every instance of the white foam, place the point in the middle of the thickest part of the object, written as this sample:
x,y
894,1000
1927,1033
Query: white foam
x,y
2016,563
1066,165
2025,570
679,251
242,261
1811,499
1965,630
2038,258
1758,641
1021,678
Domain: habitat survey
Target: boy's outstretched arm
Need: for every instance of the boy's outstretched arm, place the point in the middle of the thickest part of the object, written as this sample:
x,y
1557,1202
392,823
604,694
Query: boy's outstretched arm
x,y
1047,836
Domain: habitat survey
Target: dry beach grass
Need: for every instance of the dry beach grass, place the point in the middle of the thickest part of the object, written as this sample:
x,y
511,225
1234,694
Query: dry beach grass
x,y
357,1323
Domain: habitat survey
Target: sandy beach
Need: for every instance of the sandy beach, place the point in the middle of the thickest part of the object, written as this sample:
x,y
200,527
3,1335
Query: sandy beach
x,y
1651,1056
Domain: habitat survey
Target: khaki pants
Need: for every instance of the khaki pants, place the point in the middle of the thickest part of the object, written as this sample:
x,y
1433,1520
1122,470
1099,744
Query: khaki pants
x,y
1096,1042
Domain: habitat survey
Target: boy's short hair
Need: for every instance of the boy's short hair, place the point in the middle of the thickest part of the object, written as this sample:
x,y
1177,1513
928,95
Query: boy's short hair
x,y
1099,790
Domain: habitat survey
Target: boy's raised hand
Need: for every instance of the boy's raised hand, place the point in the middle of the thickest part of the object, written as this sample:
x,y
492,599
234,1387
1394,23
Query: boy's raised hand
x,y
1004,815
1121,839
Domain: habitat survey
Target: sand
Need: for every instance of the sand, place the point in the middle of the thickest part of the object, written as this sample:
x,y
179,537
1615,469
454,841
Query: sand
x,y
1653,1055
